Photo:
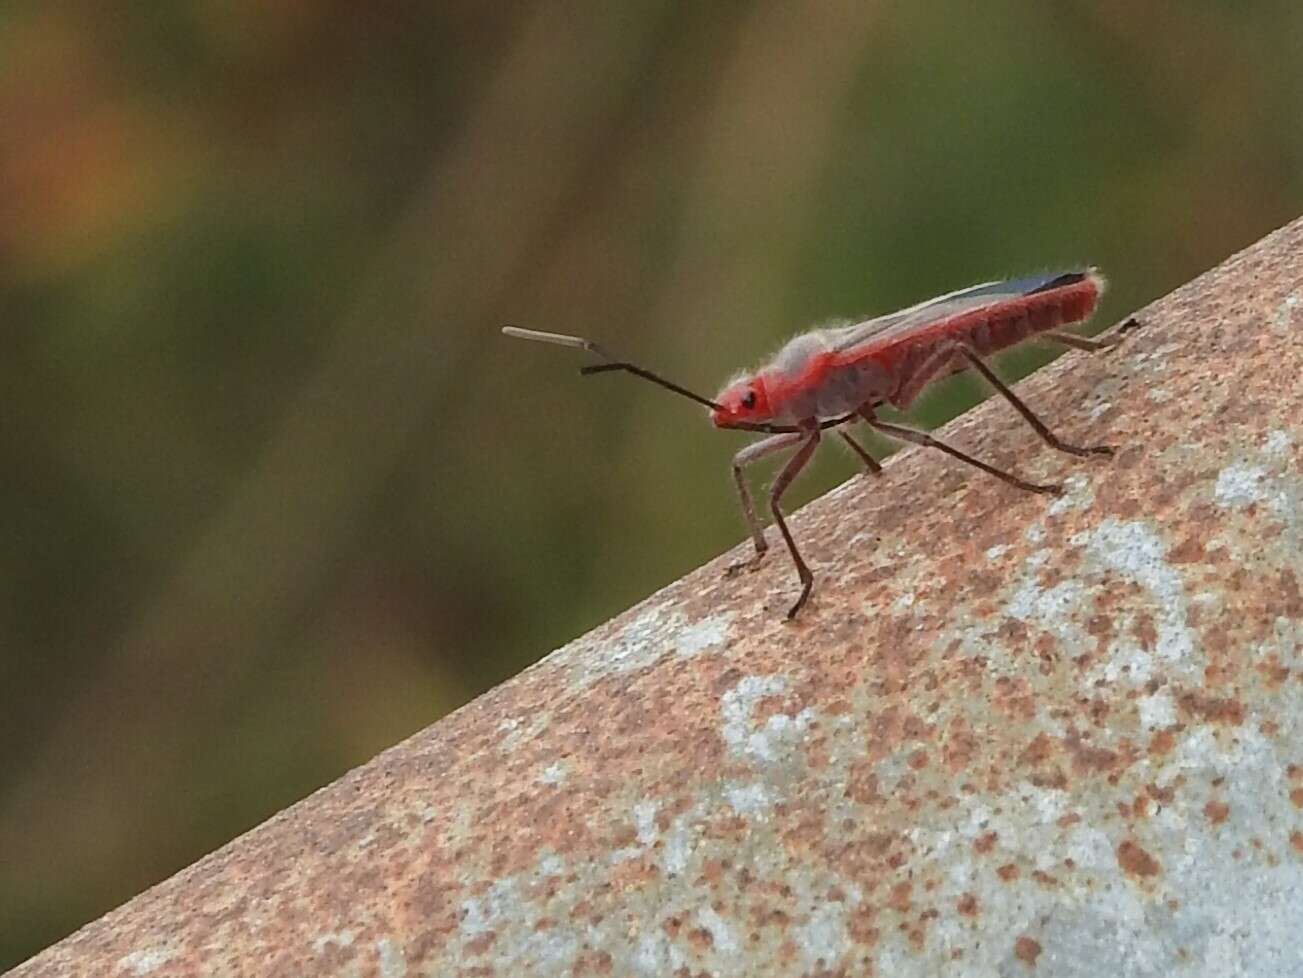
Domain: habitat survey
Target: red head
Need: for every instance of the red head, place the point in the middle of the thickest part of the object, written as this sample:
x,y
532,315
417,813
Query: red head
x,y
744,401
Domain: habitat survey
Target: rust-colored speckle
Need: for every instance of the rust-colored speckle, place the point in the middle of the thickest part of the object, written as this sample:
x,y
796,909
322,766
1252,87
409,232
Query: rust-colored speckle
x,y
786,952
1212,709
634,873
900,896
967,905
1296,840
985,842
1135,861
1216,811
1050,777
1008,872
1087,759
1037,751
1146,632
712,871
1027,950
1296,797
1163,794
862,784
1013,631
1273,671
1188,551
480,944
863,926
701,938
1162,743
771,917
958,748
1013,697
1291,594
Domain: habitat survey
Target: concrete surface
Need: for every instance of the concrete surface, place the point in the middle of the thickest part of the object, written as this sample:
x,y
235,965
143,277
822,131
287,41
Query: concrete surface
x,y
1010,735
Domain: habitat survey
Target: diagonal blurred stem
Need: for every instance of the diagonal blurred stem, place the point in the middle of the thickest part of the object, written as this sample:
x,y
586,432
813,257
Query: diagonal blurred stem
x,y
764,139
490,198
767,137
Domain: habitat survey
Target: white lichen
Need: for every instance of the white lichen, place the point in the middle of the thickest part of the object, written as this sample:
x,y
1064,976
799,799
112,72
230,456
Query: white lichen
x,y
1239,485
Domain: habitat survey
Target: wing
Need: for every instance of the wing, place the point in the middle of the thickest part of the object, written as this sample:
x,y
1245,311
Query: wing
x,y
883,329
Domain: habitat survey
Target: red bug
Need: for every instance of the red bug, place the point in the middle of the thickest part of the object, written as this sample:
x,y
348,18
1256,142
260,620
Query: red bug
x,y
828,378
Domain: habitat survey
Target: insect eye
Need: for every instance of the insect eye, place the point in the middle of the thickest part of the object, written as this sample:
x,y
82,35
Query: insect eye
x,y
749,400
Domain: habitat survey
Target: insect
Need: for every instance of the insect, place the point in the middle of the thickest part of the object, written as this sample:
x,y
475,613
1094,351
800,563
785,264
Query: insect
x,y
830,378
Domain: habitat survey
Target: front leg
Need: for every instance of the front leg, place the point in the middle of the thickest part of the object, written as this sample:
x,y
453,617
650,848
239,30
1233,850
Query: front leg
x,y
752,453
790,471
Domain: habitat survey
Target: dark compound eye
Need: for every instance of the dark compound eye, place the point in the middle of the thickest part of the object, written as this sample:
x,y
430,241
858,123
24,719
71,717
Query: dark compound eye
x,y
749,400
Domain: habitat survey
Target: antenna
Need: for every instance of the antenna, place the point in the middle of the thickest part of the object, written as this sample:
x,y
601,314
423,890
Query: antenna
x,y
579,343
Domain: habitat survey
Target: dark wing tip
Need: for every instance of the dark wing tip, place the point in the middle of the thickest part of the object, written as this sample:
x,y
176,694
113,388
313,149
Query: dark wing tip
x,y
1060,280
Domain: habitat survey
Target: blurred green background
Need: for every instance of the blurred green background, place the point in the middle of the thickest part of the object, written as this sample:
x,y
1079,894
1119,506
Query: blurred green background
x,y
276,494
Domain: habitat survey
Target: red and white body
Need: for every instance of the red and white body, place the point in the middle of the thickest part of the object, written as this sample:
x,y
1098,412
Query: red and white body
x,y
829,373
831,378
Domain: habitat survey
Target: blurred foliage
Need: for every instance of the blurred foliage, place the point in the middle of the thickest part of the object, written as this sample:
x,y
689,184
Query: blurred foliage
x,y
276,492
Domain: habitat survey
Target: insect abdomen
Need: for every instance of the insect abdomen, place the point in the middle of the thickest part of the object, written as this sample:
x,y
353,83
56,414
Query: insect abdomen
x,y
1009,323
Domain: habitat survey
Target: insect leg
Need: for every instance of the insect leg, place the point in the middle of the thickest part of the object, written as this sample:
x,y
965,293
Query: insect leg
x,y
871,464
790,471
923,438
1093,344
1048,436
752,453
1087,343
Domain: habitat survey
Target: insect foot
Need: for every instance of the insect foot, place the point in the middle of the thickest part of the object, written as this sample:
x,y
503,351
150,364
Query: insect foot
x,y
750,564
1082,452
807,582
1113,339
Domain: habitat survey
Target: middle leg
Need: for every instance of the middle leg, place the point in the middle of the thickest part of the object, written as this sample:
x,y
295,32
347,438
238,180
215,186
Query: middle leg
x,y
871,465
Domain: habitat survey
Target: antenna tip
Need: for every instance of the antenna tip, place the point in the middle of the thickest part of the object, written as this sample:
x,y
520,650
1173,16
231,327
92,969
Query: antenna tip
x,y
560,339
